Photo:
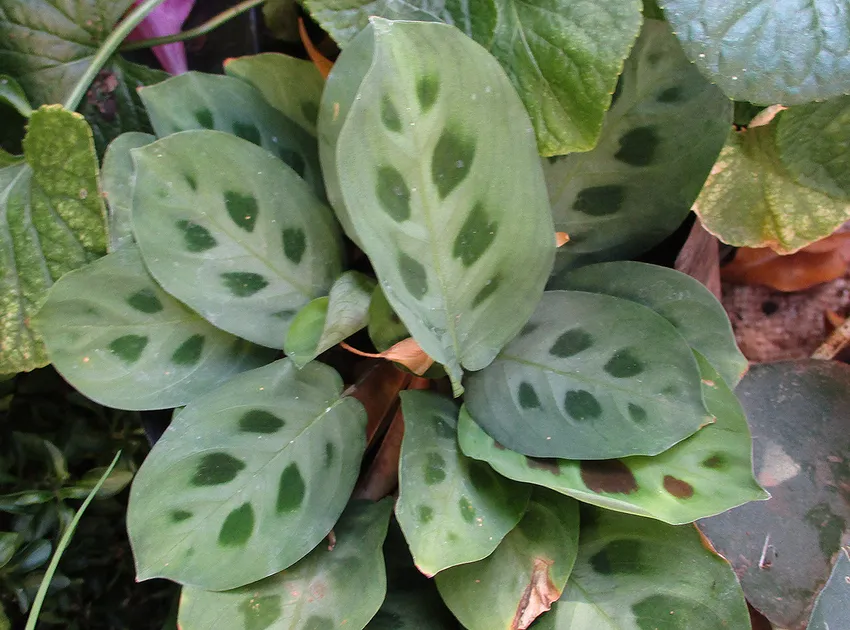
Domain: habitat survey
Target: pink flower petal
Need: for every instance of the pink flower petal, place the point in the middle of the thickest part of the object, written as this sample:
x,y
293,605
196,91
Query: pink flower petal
x,y
166,19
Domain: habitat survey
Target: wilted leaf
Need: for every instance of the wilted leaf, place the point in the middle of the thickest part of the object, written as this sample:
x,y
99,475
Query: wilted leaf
x,y
407,352
700,258
832,607
377,390
322,63
119,179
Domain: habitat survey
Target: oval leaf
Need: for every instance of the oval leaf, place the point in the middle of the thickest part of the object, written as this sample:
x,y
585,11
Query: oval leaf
x,y
832,607
228,229
118,179
247,479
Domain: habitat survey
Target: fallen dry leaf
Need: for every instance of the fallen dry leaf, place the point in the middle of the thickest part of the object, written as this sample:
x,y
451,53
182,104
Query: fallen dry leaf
x,y
700,258
407,352
538,595
322,63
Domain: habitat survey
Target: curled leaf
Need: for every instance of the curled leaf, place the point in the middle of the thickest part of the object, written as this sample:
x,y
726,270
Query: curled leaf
x,y
322,63
407,352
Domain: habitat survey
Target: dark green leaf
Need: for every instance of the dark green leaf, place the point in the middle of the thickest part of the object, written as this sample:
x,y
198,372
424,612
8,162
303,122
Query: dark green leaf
x,y
9,543
832,607
12,94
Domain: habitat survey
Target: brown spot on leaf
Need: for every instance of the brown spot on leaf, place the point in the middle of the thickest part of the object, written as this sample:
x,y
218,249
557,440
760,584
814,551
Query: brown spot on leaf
x,y
538,463
537,597
678,488
499,446
608,475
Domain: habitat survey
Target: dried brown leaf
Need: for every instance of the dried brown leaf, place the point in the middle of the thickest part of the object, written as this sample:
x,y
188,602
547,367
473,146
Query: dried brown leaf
x,y
407,352
538,596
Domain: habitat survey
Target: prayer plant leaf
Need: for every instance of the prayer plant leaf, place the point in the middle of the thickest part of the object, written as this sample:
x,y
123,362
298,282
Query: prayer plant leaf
x,y
385,328
247,479
334,586
447,197
291,86
580,383
52,220
230,230
664,130
122,341
767,51
326,321
451,509
206,101
519,581
118,177
706,474
678,298
832,607
637,574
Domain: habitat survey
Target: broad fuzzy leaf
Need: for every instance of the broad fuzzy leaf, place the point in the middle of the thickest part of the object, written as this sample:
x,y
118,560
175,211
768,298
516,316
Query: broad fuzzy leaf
x,y
445,194
527,572
230,230
832,607
118,177
452,509
636,574
52,220
590,377
661,136
334,586
767,51
125,343
247,479
206,101
678,298
706,474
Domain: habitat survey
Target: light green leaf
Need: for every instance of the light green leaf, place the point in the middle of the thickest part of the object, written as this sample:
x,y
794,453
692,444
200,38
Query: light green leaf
x,y
446,196
326,321
12,94
706,474
233,232
385,328
7,159
52,220
118,179
578,383
767,51
451,509
122,341
9,543
526,573
678,298
291,86
661,136
636,574
832,607
207,101
752,200
334,586
247,479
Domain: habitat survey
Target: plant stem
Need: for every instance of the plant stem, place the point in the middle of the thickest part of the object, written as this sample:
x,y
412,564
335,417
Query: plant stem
x,y
107,49
836,342
203,29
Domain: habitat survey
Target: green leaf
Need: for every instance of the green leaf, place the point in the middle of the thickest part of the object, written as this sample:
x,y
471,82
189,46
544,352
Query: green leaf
x,y
12,94
118,177
526,573
636,574
122,341
446,196
52,220
248,478
234,233
385,328
451,509
678,298
832,607
326,321
578,383
9,543
752,200
659,140
798,414
281,18
334,586
207,101
706,474
291,86
767,51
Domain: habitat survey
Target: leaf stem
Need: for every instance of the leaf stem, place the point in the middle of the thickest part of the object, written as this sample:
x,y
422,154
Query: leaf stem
x,y
203,29
107,49
836,342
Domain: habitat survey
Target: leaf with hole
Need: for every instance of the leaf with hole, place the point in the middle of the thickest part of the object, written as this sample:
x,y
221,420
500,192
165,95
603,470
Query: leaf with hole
x,y
118,177
248,478
661,136
122,341
338,586
578,383
228,229
527,572
832,607
447,198
451,509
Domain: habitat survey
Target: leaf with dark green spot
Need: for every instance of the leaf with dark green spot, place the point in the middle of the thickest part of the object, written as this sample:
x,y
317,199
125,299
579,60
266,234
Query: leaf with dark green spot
x,y
577,383
52,220
706,474
12,94
637,185
124,342
119,178
452,509
260,494
341,584
677,297
832,607
636,574
526,573
228,229
326,321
